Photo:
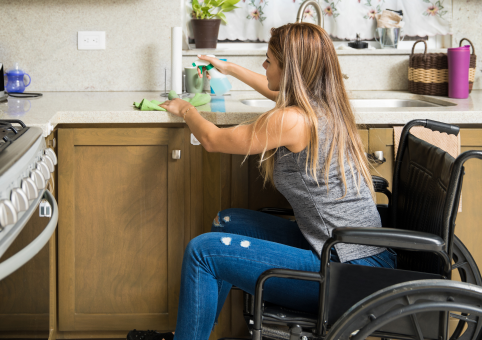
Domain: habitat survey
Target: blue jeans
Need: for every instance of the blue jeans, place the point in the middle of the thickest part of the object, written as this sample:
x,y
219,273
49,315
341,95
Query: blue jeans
x,y
242,245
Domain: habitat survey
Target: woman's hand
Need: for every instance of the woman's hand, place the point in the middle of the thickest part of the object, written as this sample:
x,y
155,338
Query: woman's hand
x,y
176,106
221,66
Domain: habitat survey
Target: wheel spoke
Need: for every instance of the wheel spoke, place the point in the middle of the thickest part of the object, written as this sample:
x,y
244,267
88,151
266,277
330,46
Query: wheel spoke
x,y
462,317
415,322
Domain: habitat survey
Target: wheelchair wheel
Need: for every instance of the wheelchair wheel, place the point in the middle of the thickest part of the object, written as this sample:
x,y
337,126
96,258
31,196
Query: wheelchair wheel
x,y
465,264
412,310
468,272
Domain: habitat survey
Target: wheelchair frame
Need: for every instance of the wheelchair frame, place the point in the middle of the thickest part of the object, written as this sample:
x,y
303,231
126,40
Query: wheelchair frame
x,y
385,237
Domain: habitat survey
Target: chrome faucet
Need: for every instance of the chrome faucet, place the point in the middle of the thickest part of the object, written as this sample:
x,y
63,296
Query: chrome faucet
x,y
319,12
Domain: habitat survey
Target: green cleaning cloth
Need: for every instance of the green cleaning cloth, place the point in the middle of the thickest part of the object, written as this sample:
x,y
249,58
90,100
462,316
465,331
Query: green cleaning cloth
x,y
153,105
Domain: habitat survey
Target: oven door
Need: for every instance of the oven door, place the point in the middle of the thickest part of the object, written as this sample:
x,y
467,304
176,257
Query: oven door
x,y
16,261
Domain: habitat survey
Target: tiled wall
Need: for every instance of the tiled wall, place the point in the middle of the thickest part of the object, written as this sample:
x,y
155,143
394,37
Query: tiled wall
x,y
42,36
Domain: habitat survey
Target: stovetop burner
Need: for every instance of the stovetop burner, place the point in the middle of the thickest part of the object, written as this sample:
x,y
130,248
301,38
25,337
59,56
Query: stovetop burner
x,y
10,132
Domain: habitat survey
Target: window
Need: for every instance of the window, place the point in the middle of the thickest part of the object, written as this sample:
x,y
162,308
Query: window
x,y
343,19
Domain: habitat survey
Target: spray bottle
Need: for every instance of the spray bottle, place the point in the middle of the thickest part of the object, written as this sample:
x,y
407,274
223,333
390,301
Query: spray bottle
x,y
219,82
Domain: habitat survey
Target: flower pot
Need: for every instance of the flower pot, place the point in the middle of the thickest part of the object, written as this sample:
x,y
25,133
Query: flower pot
x,y
206,32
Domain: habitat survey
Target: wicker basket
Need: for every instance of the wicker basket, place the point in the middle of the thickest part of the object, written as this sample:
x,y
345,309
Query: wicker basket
x,y
473,64
428,73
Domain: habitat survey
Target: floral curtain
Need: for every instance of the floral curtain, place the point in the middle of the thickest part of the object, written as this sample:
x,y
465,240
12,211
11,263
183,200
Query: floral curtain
x,y
343,19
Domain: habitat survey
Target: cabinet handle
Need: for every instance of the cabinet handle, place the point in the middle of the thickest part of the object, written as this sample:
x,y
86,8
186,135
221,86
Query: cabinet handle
x,y
176,154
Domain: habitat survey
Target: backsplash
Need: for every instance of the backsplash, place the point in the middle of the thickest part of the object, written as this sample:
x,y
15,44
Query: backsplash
x,y
41,36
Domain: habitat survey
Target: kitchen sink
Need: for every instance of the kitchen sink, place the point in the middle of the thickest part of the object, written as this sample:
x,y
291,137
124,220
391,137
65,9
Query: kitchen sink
x,y
356,103
391,103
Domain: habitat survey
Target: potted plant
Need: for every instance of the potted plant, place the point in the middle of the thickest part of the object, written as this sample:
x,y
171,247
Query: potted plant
x,y
206,18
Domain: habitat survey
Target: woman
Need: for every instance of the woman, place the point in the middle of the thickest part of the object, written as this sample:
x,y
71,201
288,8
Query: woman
x,y
311,151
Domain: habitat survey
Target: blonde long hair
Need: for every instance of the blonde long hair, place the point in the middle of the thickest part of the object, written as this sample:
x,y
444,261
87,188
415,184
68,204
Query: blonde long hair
x,y
311,80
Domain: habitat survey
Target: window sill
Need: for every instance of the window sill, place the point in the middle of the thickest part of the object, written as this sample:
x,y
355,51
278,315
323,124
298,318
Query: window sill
x,y
222,51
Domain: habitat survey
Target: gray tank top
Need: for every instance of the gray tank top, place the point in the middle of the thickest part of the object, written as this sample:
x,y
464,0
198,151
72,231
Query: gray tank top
x,y
317,211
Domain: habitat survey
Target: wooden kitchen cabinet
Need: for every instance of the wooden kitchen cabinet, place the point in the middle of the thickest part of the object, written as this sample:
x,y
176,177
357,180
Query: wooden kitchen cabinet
x,y
121,228
129,210
468,226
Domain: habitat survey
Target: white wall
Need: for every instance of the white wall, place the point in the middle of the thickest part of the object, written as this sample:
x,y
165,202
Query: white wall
x,y
42,36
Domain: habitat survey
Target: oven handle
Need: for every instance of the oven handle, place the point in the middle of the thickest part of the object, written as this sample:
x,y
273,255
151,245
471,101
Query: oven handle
x,y
13,263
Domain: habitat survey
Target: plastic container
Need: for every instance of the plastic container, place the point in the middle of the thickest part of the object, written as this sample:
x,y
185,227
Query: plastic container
x,y
223,59
459,64
15,80
219,82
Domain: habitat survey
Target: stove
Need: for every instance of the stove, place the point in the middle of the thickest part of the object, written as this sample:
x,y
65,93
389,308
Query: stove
x,y
9,132
26,164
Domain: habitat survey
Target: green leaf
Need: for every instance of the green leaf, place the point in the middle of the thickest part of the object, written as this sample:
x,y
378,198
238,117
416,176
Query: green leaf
x,y
205,11
221,16
427,1
228,8
228,3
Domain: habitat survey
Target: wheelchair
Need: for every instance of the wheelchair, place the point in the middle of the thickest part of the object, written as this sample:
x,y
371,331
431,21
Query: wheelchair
x,y
414,301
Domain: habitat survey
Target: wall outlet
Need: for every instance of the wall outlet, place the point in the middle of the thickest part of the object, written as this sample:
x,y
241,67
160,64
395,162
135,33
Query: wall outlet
x,y
91,40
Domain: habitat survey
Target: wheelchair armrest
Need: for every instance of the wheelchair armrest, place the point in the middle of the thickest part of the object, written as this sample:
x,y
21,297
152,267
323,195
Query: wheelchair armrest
x,y
379,183
390,237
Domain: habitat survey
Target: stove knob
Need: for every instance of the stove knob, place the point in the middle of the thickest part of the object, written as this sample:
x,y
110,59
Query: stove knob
x,y
19,199
44,169
38,179
8,215
49,162
51,153
29,187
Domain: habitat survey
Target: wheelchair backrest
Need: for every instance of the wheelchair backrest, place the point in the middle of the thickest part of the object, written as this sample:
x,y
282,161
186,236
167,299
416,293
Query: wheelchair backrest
x,y
421,197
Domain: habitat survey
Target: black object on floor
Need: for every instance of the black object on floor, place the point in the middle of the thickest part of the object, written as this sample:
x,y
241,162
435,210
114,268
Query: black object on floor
x,y
149,335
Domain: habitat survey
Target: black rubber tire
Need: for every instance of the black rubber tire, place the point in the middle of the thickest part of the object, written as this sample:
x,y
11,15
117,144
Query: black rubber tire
x,y
392,303
465,264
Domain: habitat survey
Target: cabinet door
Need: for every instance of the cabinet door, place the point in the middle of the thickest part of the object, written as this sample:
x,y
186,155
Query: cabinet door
x,y
24,295
121,228
468,223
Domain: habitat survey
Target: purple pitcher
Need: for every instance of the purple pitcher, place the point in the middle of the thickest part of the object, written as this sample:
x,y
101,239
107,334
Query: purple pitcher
x,y
459,63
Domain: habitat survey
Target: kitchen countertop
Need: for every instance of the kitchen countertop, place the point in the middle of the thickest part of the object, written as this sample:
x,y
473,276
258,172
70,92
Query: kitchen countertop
x,y
116,107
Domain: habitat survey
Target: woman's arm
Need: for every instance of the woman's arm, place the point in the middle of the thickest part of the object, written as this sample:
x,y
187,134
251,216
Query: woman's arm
x,y
288,130
255,80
